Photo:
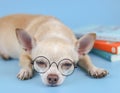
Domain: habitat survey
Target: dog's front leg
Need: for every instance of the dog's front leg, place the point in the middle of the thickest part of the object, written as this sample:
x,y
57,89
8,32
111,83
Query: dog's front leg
x,y
94,71
26,71
84,45
25,60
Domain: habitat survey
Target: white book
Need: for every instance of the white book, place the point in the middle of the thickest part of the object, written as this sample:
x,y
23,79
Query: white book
x,y
103,33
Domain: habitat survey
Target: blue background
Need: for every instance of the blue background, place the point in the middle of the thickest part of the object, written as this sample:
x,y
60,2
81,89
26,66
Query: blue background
x,y
74,13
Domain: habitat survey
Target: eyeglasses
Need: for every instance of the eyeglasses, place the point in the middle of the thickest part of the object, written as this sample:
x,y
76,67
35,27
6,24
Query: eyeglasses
x,y
65,66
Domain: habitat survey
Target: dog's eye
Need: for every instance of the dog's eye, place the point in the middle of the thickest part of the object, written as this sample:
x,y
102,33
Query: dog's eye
x,y
66,65
41,64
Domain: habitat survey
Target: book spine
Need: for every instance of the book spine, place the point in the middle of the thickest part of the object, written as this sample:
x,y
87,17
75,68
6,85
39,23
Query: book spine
x,y
102,54
107,47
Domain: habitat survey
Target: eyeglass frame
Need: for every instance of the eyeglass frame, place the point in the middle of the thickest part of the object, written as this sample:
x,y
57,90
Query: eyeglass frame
x,y
50,64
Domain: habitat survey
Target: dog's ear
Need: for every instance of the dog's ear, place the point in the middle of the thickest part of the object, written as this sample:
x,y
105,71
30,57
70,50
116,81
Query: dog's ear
x,y
24,39
85,43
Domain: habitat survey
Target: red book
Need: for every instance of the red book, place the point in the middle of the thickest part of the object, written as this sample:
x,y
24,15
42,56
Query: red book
x,y
111,47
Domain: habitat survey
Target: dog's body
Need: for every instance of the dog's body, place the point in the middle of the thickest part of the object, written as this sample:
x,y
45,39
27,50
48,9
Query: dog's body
x,y
44,36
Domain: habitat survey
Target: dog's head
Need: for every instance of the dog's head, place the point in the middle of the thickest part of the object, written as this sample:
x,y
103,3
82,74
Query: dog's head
x,y
55,58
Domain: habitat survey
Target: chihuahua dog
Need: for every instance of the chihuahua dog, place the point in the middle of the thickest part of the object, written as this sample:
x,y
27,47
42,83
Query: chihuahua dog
x,y
47,45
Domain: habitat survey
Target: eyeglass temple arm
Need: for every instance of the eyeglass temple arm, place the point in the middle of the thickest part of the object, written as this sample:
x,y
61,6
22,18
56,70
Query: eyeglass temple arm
x,y
32,62
75,64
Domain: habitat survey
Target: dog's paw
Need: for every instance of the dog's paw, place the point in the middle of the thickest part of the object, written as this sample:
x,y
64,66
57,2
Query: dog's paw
x,y
97,72
25,74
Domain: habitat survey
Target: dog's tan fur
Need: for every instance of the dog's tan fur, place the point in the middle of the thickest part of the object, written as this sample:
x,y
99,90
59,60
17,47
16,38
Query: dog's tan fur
x,y
45,31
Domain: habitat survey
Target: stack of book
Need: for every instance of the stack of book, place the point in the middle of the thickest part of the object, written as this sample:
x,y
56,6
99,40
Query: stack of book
x,y
107,44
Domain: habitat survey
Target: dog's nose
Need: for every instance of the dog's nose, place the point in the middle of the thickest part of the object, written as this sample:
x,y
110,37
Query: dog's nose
x,y
52,79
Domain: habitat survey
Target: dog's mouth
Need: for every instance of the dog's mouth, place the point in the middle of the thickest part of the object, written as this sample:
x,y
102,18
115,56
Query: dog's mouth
x,y
52,85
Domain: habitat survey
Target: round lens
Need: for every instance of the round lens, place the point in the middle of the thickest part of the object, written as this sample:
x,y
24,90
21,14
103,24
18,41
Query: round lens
x,y
41,64
66,67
